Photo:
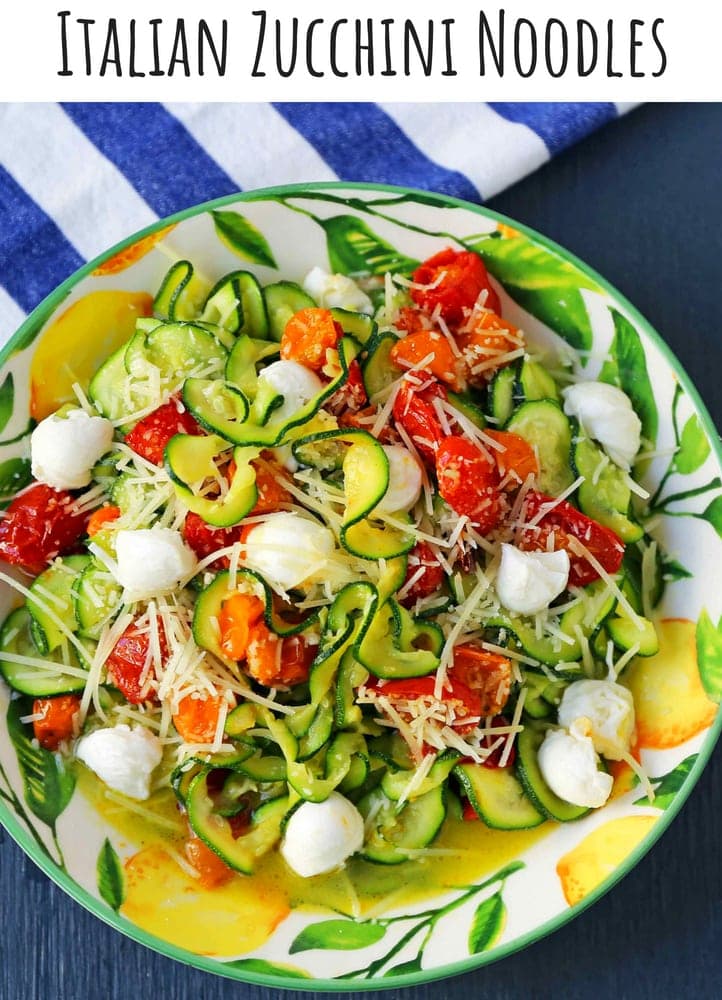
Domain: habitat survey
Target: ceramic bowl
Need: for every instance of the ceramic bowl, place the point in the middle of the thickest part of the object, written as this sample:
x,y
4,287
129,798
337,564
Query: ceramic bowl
x,y
528,885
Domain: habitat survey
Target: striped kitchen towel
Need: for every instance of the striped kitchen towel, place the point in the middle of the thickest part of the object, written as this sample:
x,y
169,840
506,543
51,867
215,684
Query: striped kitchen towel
x,y
77,178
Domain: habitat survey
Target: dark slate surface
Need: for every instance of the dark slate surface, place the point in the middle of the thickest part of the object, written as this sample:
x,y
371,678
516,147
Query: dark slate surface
x,y
641,201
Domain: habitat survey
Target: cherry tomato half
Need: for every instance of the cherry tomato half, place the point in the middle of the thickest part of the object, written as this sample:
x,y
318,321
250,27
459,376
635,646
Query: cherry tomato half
x,y
40,524
269,667
57,722
151,434
463,278
443,362
564,522
414,411
422,557
469,482
516,461
197,718
309,333
351,395
465,702
127,661
490,674
204,539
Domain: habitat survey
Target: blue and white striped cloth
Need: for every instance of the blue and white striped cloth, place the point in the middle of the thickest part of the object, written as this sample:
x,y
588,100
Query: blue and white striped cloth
x,y
77,178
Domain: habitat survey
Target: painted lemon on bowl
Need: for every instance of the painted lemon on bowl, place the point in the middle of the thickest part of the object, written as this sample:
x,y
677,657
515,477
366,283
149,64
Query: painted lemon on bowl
x,y
365,923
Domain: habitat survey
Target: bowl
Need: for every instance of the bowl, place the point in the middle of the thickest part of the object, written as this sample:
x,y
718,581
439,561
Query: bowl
x,y
529,883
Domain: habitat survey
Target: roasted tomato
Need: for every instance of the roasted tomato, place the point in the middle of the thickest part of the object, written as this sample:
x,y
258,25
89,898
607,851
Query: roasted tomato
x,y
197,718
308,335
465,702
490,674
428,582
487,346
238,614
516,461
204,539
454,280
562,523
130,659
469,482
151,434
272,494
212,872
58,719
435,351
40,524
414,410
351,396
272,668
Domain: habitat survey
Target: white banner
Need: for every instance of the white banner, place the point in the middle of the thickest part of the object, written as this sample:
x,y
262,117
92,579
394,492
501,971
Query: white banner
x,y
221,50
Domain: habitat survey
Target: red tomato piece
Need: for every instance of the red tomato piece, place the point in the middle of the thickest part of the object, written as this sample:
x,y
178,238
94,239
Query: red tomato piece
x,y
127,661
308,335
443,362
465,702
204,539
458,278
272,494
238,614
414,411
486,347
564,522
422,557
469,482
351,395
212,871
151,434
197,718
58,718
272,668
40,524
490,674
364,419
517,458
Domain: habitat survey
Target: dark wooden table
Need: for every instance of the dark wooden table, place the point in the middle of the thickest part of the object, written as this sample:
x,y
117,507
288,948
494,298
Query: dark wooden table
x,y
641,201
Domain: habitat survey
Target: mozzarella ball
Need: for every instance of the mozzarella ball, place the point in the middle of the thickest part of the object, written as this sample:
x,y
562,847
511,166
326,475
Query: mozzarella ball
x,y
569,765
606,414
123,758
289,550
527,582
609,710
336,291
320,836
152,561
404,487
296,383
64,449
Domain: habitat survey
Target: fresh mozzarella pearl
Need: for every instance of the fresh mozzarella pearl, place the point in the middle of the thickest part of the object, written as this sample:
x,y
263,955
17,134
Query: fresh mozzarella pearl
x,y
296,383
288,550
152,561
606,414
404,487
527,582
336,291
65,449
609,709
123,758
320,836
568,763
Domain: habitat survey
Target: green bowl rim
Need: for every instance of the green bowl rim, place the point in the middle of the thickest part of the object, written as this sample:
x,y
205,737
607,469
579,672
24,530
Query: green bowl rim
x,y
80,895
